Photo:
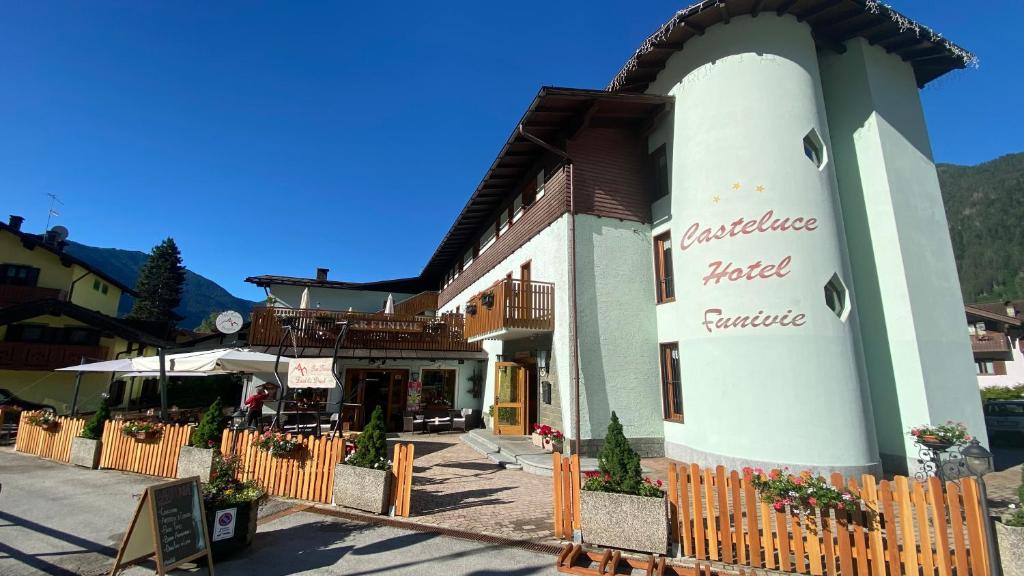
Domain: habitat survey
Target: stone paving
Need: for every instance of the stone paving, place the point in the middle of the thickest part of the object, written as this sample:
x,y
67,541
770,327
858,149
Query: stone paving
x,y
456,487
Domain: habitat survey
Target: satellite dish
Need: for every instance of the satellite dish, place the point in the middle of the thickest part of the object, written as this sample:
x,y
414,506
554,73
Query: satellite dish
x,y
229,322
60,233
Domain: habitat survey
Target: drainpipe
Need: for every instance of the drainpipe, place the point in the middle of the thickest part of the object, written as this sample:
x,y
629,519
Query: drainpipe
x,y
71,289
574,349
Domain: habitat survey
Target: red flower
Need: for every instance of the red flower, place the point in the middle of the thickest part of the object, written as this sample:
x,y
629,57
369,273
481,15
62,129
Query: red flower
x,y
778,505
812,501
798,481
658,483
915,432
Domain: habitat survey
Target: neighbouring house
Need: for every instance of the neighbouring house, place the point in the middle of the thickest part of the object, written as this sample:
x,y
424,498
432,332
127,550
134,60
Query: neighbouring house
x,y
995,331
57,311
740,247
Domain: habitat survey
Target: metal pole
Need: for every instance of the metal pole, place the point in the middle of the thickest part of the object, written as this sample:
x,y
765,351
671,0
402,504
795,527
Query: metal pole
x,y
281,386
995,567
163,385
78,386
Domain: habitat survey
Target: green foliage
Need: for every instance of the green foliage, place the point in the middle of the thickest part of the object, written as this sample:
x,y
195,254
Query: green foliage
x,y
93,429
1002,393
160,285
618,460
372,445
224,488
209,324
984,216
208,433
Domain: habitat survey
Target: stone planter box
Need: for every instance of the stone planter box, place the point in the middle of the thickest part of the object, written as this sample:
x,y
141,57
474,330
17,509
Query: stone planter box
x,y
194,461
226,539
1011,548
622,521
537,440
487,421
85,452
362,488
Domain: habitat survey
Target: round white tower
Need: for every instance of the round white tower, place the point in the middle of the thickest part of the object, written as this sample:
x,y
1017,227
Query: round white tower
x,y
765,324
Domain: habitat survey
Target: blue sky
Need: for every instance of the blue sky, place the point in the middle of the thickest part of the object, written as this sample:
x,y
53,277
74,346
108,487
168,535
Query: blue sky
x,y
275,137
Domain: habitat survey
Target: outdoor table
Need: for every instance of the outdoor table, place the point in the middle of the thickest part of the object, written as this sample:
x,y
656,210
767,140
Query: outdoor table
x,y
436,424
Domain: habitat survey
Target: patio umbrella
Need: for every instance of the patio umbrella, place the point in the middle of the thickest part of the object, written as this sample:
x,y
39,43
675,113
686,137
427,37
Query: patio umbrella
x,y
215,361
119,365
389,306
304,301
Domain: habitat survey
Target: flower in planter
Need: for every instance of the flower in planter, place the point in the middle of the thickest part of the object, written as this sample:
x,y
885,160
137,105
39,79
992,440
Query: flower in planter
x,y
951,433
138,428
224,487
619,467
275,443
43,419
802,492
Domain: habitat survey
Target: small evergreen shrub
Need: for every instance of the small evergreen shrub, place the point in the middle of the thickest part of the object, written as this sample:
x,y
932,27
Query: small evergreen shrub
x,y
211,427
619,467
93,429
372,445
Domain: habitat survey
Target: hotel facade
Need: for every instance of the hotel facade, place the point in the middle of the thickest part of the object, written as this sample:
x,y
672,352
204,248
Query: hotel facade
x,y
739,247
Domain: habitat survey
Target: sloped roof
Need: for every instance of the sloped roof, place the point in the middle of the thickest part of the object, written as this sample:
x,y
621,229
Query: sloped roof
x,y
832,22
413,285
52,307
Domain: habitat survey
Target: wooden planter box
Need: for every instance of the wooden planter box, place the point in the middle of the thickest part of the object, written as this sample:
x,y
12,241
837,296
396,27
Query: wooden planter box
x,y
622,521
364,489
1011,548
145,436
85,452
194,461
226,539
51,427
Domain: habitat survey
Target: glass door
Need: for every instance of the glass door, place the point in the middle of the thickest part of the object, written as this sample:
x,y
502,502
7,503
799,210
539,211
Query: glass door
x,y
510,399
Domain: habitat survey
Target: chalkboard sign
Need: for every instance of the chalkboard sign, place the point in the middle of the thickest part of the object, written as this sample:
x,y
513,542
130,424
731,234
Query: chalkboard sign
x,y
169,523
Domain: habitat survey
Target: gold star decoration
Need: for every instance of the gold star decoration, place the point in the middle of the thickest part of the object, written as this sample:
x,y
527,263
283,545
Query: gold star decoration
x,y
716,199
760,188
736,186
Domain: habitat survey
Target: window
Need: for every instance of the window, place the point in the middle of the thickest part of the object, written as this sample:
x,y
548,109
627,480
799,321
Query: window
x,y
517,208
659,173
814,149
540,186
96,284
666,291
105,288
18,275
990,368
438,388
836,297
671,386
28,333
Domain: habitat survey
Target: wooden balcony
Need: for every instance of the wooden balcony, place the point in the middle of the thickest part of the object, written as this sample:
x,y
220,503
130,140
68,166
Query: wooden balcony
x,y
42,356
991,345
511,309
422,304
11,295
374,330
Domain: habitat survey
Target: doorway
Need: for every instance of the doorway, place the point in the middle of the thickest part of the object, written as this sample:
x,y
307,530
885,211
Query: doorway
x,y
510,402
369,388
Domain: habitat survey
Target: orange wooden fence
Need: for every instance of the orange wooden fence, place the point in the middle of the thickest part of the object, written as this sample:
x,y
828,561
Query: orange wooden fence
x,y
401,478
156,457
903,527
54,445
308,474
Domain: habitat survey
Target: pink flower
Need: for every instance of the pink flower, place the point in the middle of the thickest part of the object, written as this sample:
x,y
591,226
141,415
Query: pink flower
x,y
759,471
812,501
915,432
658,483
798,481
778,505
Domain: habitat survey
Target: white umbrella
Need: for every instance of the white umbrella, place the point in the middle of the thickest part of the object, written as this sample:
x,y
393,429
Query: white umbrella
x,y
389,306
119,365
304,301
156,374
214,361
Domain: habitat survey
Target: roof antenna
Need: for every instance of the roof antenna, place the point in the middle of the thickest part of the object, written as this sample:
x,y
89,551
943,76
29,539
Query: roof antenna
x,y
52,212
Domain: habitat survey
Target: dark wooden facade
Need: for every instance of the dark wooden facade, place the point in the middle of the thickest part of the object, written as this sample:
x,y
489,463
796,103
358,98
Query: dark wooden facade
x,y
612,176
45,356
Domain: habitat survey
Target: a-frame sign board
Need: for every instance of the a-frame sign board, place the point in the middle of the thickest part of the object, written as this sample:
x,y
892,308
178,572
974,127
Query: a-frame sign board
x,y
169,523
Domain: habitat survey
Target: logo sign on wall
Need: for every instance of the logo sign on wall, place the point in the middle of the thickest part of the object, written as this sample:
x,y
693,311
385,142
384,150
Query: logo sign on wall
x,y
224,524
310,373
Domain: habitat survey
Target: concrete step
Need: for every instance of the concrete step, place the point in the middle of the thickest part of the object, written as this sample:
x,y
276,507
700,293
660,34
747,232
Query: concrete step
x,y
488,448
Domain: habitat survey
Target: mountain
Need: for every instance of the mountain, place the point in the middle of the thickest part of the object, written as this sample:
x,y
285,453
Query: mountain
x,y
201,295
985,209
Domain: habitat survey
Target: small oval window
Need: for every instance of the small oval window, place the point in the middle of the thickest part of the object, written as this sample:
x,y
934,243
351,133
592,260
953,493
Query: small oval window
x,y
814,149
836,297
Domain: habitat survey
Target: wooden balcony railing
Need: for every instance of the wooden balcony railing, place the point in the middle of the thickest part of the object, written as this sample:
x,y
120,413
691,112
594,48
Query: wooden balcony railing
x,y
510,303
319,328
42,356
418,304
990,341
11,295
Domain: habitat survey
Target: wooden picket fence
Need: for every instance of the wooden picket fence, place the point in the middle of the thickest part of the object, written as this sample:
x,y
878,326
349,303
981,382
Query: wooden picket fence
x,y
54,445
309,473
156,457
904,526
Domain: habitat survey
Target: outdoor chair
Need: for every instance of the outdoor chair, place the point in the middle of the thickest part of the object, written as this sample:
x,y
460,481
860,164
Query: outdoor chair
x,y
439,424
461,419
418,423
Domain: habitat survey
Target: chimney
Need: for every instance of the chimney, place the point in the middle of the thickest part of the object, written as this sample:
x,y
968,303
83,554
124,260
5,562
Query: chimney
x,y
15,222
321,273
1011,310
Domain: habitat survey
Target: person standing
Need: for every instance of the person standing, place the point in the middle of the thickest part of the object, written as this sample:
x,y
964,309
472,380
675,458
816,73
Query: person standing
x,y
254,406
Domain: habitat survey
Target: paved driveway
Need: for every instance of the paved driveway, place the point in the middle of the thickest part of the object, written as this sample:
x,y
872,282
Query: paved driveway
x,y
58,519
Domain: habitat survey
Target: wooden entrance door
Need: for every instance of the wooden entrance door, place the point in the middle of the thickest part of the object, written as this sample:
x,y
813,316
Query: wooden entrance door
x,y
509,399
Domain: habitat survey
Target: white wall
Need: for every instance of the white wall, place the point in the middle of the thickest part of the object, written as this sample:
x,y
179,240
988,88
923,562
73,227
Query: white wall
x,y
334,298
1014,370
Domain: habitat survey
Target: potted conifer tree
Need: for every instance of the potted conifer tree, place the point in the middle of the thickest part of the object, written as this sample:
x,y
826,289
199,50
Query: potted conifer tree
x,y
618,506
362,481
85,448
196,459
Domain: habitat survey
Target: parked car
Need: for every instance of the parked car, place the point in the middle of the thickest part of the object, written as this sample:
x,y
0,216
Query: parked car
x,y
1005,418
9,399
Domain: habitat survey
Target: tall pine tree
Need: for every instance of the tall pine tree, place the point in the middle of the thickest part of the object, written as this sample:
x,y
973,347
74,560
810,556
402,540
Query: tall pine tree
x,y
160,284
